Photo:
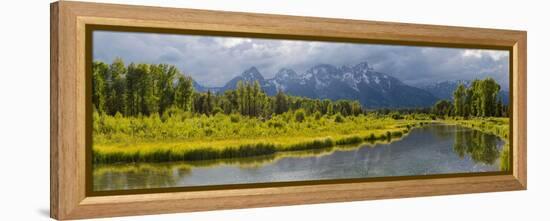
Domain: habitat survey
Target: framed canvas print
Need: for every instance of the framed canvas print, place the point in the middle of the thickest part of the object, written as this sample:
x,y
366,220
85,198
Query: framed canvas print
x,y
160,110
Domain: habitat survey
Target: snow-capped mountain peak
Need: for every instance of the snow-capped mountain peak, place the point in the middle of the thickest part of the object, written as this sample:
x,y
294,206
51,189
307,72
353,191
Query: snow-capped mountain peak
x,y
285,74
363,67
252,74
324,81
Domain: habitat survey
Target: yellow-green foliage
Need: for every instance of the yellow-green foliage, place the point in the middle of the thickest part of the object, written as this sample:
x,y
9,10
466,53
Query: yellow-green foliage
x,y
184,136
492,125
505,161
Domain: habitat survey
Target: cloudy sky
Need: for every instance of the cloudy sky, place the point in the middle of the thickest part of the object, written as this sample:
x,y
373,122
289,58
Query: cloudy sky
x,y
212,61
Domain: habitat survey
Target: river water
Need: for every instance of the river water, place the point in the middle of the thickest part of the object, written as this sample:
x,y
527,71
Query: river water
x,y
433,149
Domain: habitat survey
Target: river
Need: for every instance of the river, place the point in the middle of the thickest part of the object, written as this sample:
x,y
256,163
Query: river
x,y
432,149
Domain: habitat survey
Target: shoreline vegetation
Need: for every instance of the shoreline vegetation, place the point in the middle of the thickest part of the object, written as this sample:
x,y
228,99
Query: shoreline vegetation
x,y
153,113
385,130
257,138
247,162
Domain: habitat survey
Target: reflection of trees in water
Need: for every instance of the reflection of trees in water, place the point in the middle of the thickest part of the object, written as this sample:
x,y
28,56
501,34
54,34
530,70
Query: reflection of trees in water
x,y
158,175
137,176
505,158
481,147
442,131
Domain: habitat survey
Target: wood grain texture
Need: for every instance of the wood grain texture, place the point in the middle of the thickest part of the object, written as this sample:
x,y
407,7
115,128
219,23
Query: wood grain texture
x,y
68,96
520,109
54,94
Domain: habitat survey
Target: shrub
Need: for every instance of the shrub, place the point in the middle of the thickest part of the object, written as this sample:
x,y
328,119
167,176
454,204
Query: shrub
x,y
299,116
187,130
338,118
208,132
276,124
217,110
349,140
371,137
396,134
315,144
396,116
235,118
317,115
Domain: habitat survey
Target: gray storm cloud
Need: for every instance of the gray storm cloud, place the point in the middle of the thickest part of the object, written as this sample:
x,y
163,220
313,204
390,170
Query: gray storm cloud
x,y
212,61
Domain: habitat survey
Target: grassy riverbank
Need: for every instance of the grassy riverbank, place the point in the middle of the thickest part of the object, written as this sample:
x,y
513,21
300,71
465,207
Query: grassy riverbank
x,y
188,137
192,137
492,125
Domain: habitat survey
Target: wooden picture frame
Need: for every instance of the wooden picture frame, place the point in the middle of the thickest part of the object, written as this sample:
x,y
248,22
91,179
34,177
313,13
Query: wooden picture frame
x,y
68,155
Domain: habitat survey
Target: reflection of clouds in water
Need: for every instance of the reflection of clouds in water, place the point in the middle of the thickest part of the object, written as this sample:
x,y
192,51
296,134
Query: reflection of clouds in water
x,y
433,149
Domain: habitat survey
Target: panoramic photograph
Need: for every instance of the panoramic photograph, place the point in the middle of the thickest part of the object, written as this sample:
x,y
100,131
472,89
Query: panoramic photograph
x,y
174,110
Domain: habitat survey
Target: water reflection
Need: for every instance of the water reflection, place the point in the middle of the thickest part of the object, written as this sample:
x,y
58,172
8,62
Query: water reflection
x,y
159,175
433,149
482,148
132,176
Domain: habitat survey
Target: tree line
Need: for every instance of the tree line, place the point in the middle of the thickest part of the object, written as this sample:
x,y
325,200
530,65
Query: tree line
x,y
144,89
480,99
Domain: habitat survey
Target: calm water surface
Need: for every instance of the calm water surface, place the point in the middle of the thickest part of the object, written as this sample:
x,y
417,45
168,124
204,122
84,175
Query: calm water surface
x,y
434,149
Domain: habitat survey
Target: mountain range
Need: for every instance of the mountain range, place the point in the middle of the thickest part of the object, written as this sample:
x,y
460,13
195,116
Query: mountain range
x,y
358,82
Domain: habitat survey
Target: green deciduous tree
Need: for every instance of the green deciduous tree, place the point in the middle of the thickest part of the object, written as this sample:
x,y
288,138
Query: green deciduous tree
x,y
154,89
99,71
480,99
183,94
459,97
443,108
115,87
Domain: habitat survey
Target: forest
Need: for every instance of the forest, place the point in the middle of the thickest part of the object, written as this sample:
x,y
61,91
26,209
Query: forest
x,y
145,89
151,112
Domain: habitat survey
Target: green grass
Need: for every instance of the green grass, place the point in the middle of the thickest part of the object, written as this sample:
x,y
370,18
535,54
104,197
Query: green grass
x,y
197,137
224,149
492,125
189,137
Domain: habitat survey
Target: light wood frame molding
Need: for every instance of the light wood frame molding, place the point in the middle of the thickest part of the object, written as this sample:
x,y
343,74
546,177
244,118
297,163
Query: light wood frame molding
x,y
68,96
